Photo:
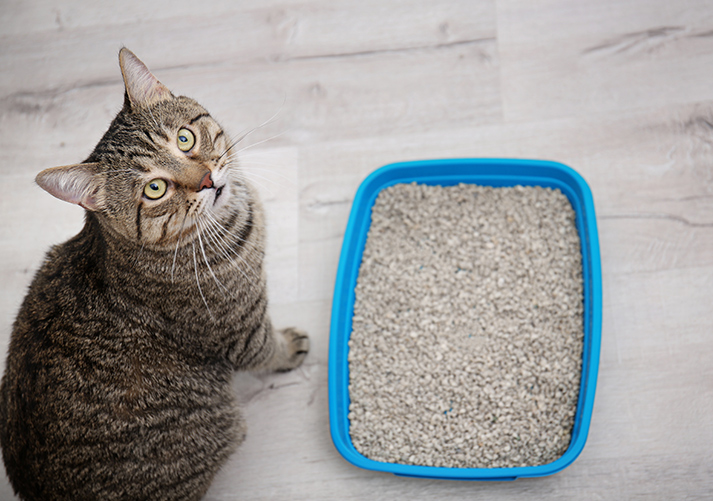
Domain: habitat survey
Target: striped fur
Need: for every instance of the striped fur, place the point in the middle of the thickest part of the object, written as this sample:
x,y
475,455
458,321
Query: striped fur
x,y
117,382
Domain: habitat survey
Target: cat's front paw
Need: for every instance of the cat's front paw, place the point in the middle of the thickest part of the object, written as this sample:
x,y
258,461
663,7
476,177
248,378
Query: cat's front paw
x,y
295,348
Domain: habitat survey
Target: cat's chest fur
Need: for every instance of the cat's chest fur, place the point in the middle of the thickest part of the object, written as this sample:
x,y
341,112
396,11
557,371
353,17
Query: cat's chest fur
x,y
195,299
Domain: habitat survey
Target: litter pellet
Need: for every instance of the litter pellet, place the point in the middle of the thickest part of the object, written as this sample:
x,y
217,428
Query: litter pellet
x,y
466,348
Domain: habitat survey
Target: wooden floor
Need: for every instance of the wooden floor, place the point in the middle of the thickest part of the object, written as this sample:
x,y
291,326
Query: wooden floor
x,y
620,90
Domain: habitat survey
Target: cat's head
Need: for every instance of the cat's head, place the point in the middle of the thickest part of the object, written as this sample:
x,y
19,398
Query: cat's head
x,y
163,164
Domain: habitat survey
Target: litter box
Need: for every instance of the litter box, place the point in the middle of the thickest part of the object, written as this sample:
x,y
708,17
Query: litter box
x,y
487,172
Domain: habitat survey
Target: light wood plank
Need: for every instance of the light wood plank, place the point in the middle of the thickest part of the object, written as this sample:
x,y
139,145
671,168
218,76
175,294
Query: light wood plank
x,y
276,31
618,90
368,95
565,58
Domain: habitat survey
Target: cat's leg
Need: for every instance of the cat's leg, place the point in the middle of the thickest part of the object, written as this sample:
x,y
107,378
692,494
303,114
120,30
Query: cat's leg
x,y
292,346
265,348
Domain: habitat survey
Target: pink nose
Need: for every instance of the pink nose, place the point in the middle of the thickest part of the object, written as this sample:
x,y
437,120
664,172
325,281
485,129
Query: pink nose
x,y
206,182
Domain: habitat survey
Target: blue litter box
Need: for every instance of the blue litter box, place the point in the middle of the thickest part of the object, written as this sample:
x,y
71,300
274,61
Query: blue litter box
x,y
487,172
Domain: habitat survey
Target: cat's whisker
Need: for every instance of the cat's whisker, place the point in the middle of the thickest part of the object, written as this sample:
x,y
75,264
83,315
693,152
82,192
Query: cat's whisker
x,y
223,243
263,141
251,175
249,132
225,251
217,244
249,165
227,238
178,243
228,233
254,164
261,154
198,283
251,168
247,171
226,244
234,141
205,258
243,177
237,140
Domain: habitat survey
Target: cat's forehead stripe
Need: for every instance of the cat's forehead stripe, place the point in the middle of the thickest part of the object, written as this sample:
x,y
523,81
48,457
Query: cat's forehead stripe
x,y
194,120
152,141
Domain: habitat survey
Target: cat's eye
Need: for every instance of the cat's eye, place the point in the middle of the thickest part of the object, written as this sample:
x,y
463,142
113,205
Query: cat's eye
x,y
155,189
185,140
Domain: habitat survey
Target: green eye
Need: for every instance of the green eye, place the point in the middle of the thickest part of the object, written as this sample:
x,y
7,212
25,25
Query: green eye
x,y
185,140
155,189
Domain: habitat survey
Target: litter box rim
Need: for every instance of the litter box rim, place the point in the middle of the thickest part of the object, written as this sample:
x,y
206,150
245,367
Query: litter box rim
x,y
496,172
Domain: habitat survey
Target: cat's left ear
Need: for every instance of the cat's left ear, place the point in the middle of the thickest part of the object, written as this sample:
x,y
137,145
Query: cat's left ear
x,y
79,184
142,87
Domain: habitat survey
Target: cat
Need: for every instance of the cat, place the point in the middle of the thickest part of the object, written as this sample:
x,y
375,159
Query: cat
x,y
118,376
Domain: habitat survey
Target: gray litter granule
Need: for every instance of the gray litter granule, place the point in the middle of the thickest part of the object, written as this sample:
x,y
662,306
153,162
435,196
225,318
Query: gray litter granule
x,y
466,348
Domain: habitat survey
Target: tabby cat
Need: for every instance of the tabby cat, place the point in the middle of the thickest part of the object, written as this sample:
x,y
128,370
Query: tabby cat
x,y
118,376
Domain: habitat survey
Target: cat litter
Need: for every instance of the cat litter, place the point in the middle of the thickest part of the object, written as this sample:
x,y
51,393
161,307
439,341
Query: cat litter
x,y
467,330
468,354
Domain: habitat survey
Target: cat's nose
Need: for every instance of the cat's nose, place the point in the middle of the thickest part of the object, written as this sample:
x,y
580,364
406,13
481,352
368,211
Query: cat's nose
x,y
206,182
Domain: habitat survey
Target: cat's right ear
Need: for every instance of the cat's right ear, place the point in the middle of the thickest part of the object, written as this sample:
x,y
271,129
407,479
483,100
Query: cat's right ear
x,y
78,184
142,87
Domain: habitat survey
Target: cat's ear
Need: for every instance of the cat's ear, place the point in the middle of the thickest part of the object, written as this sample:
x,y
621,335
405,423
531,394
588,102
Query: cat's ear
x,y
79,184
142,87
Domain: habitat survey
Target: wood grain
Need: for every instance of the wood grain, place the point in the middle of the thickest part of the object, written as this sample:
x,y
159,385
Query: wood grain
x,y
617,89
